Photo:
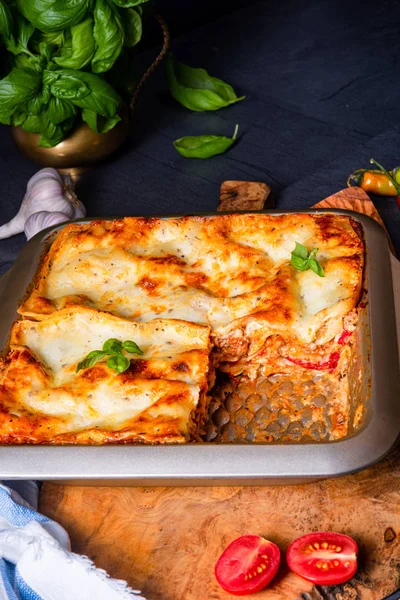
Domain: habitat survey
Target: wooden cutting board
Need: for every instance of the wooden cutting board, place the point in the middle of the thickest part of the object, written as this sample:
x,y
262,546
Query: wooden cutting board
x,y
165,541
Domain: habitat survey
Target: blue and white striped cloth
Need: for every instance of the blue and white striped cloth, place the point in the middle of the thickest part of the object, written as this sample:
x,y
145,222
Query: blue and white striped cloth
x,y
36,562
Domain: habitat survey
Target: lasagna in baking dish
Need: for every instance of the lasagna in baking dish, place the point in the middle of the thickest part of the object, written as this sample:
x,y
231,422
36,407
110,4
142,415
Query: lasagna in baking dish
x,y
160,398
227,296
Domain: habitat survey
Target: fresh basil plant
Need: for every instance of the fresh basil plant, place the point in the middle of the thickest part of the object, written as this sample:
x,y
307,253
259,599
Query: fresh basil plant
x,y
62,58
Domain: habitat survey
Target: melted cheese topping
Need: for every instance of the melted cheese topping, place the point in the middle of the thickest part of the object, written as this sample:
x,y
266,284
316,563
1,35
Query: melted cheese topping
x,y
43,399
218,271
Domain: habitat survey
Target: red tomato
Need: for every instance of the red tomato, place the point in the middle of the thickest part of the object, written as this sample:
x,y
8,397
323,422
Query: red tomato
x,y
345,336
325,558
329,364
247,565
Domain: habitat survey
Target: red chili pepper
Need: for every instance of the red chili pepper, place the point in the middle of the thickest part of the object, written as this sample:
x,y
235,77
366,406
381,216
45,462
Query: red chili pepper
x,y
344,338
327,365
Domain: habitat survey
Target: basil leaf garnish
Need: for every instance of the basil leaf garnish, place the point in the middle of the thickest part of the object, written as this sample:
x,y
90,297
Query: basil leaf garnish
x,y
316,267
119,363
91,359
300,251
116,359
302,260
299,263
204,146
112,346
196,89
131,347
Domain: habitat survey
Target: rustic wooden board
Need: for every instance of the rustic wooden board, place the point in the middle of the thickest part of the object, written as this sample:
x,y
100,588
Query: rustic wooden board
x,y
244,195
165,541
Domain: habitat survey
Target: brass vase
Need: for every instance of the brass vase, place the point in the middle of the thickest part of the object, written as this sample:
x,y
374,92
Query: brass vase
x,y
83,147
78,151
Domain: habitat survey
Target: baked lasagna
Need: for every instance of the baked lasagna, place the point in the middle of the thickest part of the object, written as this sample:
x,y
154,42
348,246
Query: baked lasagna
x,y
162,397
226,281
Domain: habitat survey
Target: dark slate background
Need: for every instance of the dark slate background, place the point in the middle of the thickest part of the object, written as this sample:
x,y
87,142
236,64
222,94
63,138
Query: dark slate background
x,y
322,96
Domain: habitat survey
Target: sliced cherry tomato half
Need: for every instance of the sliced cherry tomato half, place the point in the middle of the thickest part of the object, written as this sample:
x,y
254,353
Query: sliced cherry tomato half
x,y
247,565
325,558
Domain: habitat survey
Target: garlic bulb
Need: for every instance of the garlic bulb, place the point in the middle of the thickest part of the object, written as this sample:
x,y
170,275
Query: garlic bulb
x,y
41,220
46,192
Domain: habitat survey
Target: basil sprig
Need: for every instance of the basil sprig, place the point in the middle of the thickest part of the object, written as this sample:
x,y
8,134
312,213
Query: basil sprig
x,y
302,260
119,363
90,359
204,146
113,349
196,89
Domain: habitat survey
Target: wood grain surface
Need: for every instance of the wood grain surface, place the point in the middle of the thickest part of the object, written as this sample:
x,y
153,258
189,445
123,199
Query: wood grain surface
x,y
165,541
244,195
353,198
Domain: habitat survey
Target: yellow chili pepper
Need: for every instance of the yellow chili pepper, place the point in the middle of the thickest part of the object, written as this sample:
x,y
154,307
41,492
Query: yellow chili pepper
x,y
374,182
381,182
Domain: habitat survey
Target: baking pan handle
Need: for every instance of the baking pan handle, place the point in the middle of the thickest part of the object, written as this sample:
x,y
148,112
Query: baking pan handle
x,y
3,281
395,263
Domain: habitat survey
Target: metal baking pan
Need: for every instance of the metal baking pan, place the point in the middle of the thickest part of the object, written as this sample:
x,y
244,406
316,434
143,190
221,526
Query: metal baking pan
x,y
238,463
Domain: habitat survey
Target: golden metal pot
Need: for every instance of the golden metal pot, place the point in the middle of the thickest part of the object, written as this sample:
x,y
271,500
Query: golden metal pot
x,y
79,150
83,147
